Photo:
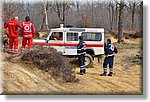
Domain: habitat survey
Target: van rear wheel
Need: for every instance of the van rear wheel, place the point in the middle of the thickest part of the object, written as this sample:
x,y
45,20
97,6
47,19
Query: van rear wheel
x,y
88,60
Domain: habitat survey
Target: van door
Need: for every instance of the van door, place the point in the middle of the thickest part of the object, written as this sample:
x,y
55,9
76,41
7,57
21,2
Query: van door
x,y
94,41
56,41
71,42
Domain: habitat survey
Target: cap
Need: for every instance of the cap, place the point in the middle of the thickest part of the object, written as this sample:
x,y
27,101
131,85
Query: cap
x,y
16,17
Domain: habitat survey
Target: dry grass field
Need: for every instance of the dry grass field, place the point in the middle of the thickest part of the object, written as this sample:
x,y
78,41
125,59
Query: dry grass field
x,y
25,78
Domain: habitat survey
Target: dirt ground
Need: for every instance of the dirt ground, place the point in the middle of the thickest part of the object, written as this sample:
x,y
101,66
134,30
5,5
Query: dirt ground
x,y
25,78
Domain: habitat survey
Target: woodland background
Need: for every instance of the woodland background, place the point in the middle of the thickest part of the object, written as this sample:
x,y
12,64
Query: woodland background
x,y
116,16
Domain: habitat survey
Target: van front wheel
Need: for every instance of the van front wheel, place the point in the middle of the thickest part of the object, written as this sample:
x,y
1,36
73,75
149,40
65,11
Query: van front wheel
x,y
88,60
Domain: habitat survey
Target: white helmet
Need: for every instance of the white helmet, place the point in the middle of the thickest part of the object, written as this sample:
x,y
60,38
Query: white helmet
x,y
16,17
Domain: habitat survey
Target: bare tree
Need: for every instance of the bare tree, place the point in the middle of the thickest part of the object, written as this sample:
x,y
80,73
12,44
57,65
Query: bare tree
x,y
77,3
111,13
141,16
120,22
116,11
28,8
9,10
78,13
45,4
132,5
61,8
97,13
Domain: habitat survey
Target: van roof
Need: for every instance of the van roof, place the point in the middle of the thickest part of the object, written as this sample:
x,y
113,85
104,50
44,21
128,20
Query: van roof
x,y
78,29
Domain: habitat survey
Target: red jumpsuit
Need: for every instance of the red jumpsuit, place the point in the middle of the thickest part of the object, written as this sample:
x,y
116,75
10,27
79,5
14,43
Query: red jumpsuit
x,y
28,34
12,26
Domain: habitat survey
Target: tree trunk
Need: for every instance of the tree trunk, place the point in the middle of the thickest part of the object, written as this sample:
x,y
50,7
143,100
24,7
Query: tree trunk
x,y
63,13
120,22
133,13
141,16
43,22
116,20
45,4
110,16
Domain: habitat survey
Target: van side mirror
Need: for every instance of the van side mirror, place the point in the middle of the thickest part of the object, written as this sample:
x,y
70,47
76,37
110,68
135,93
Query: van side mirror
x,y
46,39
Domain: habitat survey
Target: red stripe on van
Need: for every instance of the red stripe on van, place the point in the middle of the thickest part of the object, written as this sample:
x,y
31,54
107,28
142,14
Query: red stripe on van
x,y
66,44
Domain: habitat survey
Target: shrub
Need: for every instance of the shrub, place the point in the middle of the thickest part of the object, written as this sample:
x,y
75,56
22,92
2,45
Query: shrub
x,y
48,59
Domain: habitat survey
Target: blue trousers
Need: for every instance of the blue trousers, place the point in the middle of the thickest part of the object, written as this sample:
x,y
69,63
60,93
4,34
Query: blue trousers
x,y
108,60
81,60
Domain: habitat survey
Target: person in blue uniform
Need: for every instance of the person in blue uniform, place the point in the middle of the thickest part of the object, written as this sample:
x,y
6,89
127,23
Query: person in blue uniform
x,y
110,50
81,51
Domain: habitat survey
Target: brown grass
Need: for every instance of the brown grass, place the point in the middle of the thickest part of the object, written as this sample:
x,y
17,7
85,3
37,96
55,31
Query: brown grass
x,y
26,78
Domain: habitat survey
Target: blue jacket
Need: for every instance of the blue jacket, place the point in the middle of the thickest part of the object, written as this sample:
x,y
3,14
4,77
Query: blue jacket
x,y
110,49
81,48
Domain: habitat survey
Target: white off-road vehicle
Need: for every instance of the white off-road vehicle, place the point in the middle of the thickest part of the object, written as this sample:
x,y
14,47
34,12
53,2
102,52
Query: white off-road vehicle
x,y
66,40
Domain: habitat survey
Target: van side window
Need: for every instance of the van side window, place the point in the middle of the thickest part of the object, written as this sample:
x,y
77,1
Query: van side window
x,y
72,36
92,36
57,36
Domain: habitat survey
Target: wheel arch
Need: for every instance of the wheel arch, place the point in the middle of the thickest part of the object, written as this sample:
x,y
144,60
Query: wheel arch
x,y
91,52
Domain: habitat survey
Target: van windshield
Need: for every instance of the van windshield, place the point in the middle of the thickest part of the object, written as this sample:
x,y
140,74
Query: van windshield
x,y
56,36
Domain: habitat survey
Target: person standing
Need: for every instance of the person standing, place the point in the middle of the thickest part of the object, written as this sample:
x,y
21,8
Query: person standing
x,y
109,49
81,51
28,33
13,26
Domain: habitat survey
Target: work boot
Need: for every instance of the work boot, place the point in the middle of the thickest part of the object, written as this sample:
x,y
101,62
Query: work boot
x,y
110,74
104,74
81,72
10,51
84,71
23,51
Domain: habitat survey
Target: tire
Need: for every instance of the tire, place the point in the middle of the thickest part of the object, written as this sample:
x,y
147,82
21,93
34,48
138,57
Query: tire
x,y
88,60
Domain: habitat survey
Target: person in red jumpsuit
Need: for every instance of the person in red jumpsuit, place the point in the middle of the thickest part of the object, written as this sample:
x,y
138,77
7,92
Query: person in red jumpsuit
x,y
28,33
13,26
